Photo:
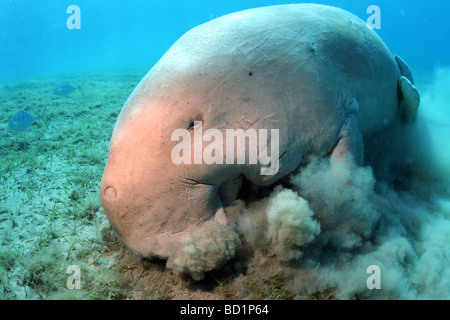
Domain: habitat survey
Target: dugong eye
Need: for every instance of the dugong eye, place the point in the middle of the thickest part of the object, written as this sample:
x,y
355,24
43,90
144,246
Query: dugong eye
x,y
197,117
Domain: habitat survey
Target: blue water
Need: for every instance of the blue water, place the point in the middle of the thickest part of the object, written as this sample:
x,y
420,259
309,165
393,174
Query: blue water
x,y
120,34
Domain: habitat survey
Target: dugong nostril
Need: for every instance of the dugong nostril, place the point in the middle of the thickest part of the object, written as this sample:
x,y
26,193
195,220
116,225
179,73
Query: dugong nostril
x,y
110,194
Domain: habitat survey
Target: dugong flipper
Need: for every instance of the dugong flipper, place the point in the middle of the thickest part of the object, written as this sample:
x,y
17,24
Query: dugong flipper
x,y
350,147
303,79
409,97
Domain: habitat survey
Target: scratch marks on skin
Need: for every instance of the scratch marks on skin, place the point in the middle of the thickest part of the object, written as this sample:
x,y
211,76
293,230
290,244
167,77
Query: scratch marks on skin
x,y
253,123
282,155
220,84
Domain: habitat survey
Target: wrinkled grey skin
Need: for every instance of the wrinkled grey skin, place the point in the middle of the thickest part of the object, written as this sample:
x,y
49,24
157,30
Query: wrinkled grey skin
x,y
316,73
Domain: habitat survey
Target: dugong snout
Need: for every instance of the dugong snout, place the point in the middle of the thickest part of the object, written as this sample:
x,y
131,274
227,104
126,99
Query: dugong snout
x,y
148,218
109,195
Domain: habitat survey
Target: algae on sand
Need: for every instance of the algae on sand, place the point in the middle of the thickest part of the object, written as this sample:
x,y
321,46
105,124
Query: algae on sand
x,y
50,213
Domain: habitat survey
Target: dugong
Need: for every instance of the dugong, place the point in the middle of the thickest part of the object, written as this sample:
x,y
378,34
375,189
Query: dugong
x,y
304,79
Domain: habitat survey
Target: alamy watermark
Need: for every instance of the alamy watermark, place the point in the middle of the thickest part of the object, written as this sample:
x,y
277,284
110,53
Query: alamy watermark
x,y
234,143
74,20
74,281
374,280
374,20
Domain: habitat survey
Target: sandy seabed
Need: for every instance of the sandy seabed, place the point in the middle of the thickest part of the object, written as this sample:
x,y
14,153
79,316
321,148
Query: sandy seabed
x,y
50,213
51,219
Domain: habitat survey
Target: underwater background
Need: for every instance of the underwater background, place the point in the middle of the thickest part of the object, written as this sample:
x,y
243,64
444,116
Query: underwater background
x,y
73,83
35,40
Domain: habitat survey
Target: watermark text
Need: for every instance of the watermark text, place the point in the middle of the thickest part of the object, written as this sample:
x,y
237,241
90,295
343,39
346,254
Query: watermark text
x,y
374,21
234,144
74,20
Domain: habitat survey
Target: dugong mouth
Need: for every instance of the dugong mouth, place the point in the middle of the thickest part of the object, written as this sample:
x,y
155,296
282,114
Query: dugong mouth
x,y
141,213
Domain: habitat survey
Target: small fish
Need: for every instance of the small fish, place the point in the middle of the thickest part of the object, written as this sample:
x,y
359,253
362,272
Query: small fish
x,y
64,89
21,120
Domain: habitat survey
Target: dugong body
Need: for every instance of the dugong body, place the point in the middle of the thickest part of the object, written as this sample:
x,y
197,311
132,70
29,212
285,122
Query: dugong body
x,y
316,74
